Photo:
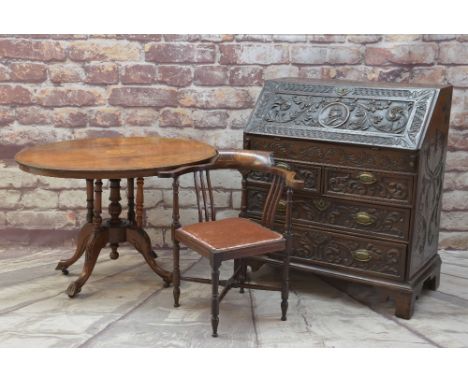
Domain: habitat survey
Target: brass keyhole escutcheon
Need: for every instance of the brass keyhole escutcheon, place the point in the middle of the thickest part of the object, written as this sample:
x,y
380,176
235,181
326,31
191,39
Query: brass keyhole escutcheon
x,y
367,178
362,255
363,218
321,204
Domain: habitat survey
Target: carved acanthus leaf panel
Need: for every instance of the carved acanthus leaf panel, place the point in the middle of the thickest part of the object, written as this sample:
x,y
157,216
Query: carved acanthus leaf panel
x,y
370,116
430,198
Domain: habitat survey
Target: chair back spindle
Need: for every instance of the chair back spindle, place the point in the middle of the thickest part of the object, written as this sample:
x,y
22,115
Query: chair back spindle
x,y
243,161
204,194
272,200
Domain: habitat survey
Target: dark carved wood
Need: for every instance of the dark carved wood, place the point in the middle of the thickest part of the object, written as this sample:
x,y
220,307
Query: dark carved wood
x,y
352,253
335,154
373,156
309,174
337,214
346,112
369,185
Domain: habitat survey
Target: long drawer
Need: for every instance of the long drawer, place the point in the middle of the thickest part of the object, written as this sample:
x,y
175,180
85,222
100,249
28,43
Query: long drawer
x,y
348,253
344,215
334,154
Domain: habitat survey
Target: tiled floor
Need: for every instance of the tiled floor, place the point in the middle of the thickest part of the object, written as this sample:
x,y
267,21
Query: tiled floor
x,y
125,305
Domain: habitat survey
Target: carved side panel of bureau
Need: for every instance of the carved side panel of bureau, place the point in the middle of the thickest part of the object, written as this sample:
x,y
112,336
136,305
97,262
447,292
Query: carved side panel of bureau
x,y
372,157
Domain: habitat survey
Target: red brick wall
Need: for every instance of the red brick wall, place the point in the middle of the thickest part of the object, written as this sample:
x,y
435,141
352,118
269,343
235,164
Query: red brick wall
x,y
203,86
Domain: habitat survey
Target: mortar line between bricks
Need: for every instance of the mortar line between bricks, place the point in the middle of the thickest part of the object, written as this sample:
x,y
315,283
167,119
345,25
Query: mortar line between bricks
x,y
132,309
388,317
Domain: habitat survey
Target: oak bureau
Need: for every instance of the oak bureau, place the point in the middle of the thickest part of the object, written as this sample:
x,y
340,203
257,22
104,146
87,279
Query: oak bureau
x,y
372,156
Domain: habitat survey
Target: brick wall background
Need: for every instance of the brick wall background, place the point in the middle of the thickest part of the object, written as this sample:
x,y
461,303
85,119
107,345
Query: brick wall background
x,y
56,87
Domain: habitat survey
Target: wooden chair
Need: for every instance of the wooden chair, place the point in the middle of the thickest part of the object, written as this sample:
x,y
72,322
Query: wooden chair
x,y
234,238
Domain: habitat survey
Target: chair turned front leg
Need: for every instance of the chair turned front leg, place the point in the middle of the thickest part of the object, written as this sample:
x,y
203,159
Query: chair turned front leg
x,y
285,280
215,297
285,287
176,273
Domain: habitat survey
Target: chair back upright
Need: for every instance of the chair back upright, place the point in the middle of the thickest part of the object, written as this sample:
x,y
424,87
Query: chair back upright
x,y
244,161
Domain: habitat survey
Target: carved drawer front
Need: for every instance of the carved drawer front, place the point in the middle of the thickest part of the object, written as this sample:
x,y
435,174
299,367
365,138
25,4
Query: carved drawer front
x,y
368,185
384,221
334,154
349,253
309,174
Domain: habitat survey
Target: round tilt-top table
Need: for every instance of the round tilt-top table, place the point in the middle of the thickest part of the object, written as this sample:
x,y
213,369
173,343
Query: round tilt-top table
x,y
113,159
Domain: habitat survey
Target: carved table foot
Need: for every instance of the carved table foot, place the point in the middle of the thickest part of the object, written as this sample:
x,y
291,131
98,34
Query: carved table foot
x,y
141,241
83,238
98,241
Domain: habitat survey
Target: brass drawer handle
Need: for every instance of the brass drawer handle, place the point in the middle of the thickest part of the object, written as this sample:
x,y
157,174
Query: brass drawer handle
x,y
363,218
362,255
281,207
367,178
283,165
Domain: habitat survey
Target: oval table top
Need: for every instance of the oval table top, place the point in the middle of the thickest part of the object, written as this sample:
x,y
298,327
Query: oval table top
x,y
112,158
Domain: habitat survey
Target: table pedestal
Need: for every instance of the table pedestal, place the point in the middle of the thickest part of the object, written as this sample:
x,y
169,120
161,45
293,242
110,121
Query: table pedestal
x,y
96,233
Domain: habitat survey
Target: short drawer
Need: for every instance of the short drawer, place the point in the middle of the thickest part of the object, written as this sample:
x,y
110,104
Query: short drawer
x,y
368,185
355,217
311,175
349,253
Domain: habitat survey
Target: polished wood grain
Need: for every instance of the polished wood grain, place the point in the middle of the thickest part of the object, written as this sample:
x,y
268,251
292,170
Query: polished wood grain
x,y
112,158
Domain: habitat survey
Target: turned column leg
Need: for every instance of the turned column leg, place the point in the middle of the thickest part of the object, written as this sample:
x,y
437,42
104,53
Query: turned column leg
x,y
98,241
131,200
85,232
115,210
139,202
175,242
